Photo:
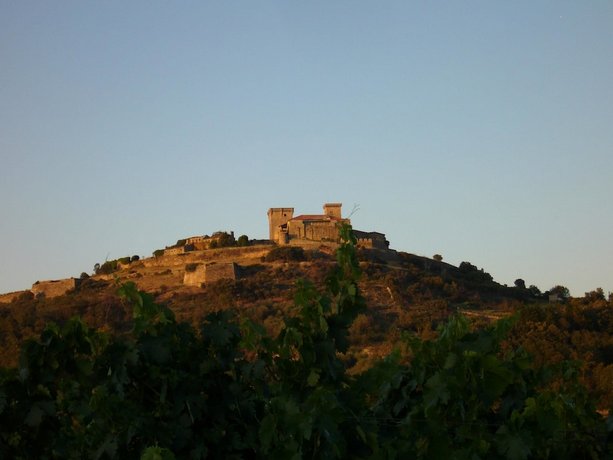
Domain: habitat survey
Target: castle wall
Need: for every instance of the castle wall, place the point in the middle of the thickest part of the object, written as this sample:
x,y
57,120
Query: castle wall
x,y
54,288
209,273
313,230
195,278
250,252
321,231
174,251
220,271
371,240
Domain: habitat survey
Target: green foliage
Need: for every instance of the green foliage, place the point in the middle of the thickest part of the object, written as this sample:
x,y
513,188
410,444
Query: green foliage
x,y
243,240
158,253
229,390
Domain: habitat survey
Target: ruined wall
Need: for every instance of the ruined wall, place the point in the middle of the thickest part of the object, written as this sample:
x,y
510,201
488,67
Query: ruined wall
x,y
174,251
220,271
196,239
370,240
202,245
209,273
54,288
248,252
196,277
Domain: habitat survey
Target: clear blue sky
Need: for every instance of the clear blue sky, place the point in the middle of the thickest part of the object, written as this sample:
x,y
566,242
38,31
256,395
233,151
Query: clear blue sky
x,y
479,130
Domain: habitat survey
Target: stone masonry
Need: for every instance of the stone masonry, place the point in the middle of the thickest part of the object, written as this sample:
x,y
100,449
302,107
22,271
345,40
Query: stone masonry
x,y
209,273
54,288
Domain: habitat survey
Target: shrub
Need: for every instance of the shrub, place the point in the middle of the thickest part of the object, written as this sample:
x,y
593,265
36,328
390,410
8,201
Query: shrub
x,y
243,240
158,253
107,267
190,268
225,239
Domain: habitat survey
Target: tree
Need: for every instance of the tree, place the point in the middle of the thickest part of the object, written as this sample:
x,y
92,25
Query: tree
x,y
520,283
437,257
535,291
243,240
595,295
561,291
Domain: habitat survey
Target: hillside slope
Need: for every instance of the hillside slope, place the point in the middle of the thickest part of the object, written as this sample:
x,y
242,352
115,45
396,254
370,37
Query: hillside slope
x,y
404,292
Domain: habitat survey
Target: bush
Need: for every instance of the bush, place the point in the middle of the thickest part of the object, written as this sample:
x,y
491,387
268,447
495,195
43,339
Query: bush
x,y
158,253
243,240
224,239
190,268
107,267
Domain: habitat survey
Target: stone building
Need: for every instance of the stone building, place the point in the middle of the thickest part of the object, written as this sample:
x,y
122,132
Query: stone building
x,y
174,251
284,227
200,243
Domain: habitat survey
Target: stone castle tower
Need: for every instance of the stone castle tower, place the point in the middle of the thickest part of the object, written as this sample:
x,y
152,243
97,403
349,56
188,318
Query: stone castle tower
x,y
333,210
276,218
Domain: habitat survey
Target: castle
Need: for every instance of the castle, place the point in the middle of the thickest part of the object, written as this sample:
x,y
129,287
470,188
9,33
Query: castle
x,y
284,228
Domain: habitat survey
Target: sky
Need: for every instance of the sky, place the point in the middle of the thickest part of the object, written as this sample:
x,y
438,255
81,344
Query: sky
x,y
481,130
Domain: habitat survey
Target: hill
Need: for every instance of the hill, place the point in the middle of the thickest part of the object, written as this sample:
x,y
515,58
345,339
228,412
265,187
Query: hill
x,y
404,292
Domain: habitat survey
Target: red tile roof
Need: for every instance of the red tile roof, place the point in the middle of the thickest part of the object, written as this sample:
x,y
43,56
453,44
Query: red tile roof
x,y
314,217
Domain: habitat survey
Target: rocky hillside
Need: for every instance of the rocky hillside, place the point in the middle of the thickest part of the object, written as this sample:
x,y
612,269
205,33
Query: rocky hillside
x,y
404,292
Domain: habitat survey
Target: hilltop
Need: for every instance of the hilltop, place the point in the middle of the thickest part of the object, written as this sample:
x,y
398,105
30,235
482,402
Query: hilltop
x,y
257,279
403,291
